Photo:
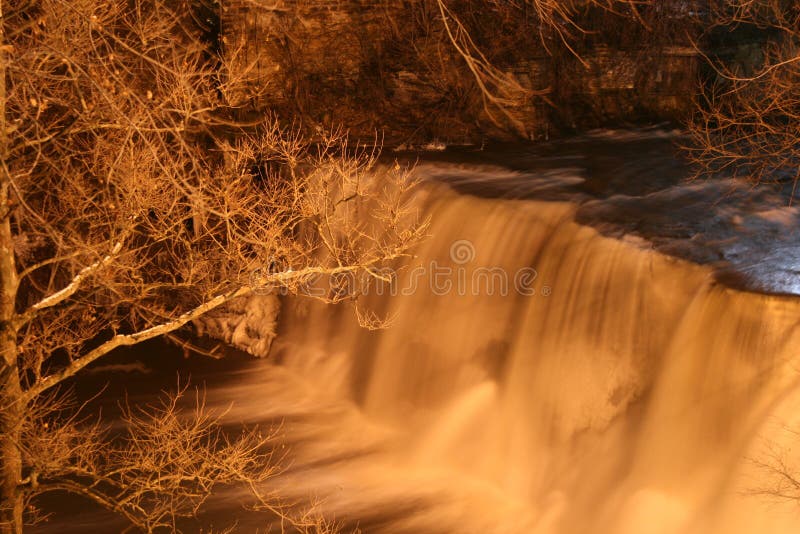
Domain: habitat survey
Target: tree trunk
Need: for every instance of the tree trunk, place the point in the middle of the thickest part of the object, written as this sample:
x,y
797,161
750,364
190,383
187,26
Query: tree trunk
x,y
12,403
11,413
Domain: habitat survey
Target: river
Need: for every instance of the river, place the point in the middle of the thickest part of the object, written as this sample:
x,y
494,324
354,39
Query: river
x,y
587,342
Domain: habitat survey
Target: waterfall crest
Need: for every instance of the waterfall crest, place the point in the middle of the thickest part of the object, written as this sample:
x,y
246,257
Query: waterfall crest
x,y
615,389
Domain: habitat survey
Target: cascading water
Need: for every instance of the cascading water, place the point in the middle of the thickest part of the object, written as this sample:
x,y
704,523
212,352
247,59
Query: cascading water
x,y
539,377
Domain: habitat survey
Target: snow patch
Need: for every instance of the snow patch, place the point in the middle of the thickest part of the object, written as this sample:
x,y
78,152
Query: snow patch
x,y
247,323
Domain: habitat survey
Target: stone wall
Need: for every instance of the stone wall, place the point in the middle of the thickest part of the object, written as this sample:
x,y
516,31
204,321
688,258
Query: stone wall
x,y
386,66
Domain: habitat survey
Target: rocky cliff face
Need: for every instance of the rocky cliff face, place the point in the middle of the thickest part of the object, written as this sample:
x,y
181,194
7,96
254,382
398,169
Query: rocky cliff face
x,y
387,66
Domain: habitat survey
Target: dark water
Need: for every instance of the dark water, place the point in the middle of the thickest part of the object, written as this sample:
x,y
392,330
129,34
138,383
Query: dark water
x,y
638,183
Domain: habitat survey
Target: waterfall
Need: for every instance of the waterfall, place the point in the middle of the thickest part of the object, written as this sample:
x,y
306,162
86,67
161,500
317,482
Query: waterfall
x,y
589,383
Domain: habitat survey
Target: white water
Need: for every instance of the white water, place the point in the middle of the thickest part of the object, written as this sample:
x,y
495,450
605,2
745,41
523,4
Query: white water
x,y
630,395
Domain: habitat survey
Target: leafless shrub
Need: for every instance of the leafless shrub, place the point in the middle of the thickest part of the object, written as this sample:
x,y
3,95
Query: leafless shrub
x,y
132,201
778,471
746,121
163,466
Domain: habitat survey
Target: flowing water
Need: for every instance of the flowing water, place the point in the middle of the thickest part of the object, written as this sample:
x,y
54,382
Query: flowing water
x,y
539,377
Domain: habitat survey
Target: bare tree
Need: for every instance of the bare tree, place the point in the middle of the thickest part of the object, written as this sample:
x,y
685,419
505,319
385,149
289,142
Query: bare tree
x,y
162,468
131,203
746,120
776,468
